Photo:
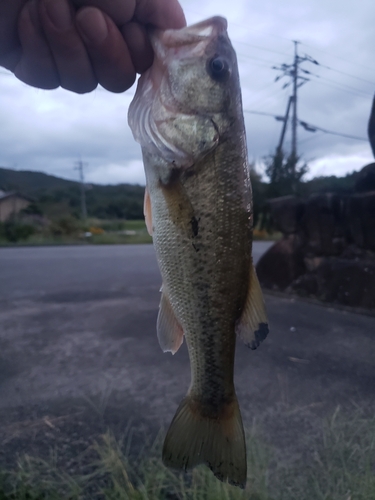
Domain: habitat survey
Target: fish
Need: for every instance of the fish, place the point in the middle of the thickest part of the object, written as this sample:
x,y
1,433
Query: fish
x,y
187,116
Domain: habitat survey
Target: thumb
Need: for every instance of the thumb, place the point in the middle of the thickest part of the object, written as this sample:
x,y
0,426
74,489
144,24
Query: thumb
x,y
163,14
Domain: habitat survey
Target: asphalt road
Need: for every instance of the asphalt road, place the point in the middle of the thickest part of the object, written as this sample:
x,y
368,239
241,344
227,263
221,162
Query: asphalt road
x,y
78,352
66,312
103,269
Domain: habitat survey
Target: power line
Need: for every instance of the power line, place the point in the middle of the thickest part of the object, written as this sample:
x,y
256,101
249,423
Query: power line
x,y
336,86
315,128
307,126
355,89
339,84
277,117
258,64
199,14
349,87
302,43
347,74
264,101
322,65
333,55
254,58
261,48
266,62
319,132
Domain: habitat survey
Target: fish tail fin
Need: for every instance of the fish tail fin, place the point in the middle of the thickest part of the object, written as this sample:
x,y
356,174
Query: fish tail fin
x,y
194,438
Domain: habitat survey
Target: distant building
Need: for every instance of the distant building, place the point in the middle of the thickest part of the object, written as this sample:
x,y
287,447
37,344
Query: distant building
x,y
11,203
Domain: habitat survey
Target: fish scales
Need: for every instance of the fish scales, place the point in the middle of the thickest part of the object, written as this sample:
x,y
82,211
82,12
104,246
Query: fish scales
x,y
198,207
212,262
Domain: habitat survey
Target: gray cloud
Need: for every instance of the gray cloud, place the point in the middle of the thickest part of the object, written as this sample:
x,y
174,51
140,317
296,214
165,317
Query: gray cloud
x,y
50,130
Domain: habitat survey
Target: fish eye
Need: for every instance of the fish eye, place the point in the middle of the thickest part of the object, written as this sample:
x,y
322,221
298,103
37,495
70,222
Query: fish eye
x,y
218,68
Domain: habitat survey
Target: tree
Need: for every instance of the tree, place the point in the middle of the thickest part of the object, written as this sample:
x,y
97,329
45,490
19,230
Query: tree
x,y
285,174
259,198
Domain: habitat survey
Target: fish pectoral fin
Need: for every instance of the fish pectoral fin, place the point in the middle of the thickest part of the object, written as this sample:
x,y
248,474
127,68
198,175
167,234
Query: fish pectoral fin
x,y
252,327
147,211
194,438
169,330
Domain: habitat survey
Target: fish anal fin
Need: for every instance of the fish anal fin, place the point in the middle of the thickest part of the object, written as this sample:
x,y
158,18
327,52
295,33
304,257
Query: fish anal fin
x,y
219,442
252,327
147,211
169,330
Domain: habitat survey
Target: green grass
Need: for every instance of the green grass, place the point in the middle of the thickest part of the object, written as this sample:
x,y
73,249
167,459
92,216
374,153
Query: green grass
x,y
69,231
154,481
122,478
341,466
114,232
139,237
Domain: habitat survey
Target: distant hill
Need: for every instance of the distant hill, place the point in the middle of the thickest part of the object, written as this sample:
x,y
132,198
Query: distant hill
x,y
30,183
56,197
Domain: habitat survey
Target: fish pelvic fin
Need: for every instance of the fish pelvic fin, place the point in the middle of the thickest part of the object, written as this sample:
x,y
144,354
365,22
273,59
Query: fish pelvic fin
x,y
252,327
169,330
194,438
147,211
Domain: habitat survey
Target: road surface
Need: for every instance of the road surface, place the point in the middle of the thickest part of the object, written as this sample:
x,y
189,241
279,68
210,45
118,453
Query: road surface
x,y
78,353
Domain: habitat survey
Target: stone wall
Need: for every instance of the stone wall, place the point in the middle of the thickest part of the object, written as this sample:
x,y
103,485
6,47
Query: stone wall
x,y
328,246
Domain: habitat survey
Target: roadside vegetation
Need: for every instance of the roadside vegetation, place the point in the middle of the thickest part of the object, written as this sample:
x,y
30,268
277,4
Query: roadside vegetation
x,y
339,465
115,213
26,230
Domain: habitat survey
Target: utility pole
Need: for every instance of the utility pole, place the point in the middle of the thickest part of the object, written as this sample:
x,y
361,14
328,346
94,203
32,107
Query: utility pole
x,y
285,120
294,120
79,166
296,80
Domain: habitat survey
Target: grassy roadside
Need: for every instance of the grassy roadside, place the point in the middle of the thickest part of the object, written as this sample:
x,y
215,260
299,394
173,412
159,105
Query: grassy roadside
x,y
95,232
71,231
339,466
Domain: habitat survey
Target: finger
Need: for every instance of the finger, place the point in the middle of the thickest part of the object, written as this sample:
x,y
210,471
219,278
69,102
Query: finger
x,y
10,48
70,55
108,52
163,14
136,38
36,66
119,11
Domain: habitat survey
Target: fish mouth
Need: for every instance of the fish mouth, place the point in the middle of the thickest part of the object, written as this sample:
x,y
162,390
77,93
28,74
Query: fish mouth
x,y
195,37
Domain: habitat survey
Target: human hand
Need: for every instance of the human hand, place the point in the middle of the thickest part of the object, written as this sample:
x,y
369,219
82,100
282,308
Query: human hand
x,y
79,44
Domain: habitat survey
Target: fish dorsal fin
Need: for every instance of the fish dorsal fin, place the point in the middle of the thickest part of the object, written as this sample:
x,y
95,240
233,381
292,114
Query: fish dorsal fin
x,y
252,327
147,211
169,330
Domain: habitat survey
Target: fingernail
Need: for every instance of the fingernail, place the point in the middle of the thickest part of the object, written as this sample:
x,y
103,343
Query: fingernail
x,y
92,25
59,13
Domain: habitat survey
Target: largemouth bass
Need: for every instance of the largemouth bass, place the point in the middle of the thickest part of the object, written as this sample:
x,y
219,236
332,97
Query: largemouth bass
x,y
187,116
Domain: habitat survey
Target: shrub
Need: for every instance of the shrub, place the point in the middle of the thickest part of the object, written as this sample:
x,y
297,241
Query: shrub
x,y
65,226
14,231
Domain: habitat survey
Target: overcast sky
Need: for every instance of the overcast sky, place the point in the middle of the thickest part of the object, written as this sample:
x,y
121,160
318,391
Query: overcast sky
x,y
49,131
